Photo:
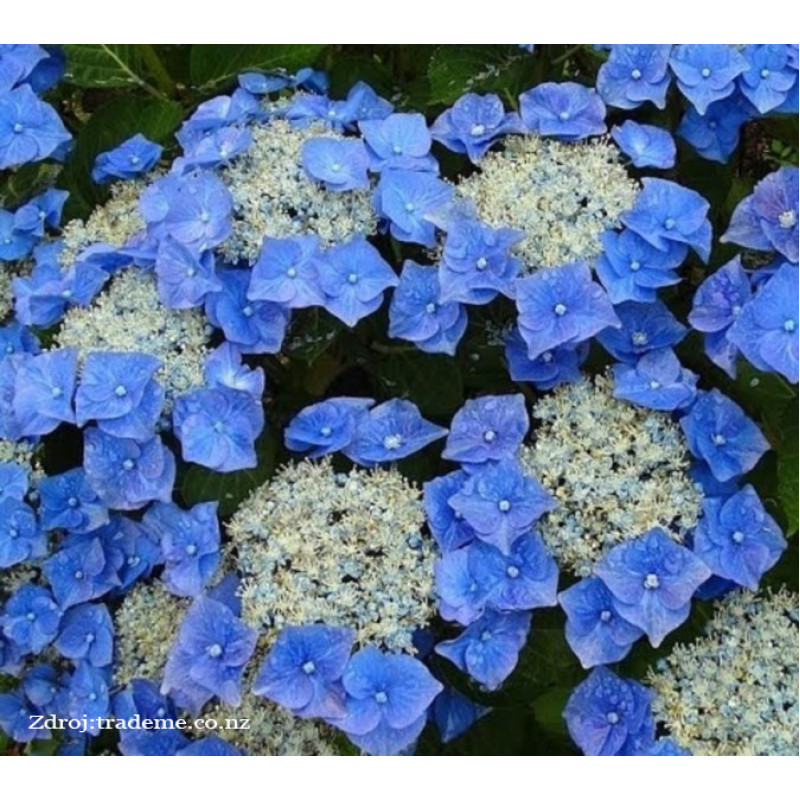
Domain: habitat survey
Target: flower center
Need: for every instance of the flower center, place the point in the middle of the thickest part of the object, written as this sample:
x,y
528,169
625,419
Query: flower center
x,y
605,615
635,265
636,74
381,698
128,464
512,571
737,537
393,441
789,325
489,436
612,717
309,667
705,72
651,581
787,219
559,309
504,506
215,650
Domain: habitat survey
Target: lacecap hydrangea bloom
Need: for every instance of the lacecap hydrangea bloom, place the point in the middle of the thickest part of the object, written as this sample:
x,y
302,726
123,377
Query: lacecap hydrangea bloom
x,y
733,691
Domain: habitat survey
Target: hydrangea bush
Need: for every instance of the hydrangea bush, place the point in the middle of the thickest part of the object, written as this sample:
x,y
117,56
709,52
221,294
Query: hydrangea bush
x,y
441,413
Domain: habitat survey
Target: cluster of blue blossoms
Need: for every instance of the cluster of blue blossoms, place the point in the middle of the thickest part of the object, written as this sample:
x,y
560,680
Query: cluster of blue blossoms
x,y
70,548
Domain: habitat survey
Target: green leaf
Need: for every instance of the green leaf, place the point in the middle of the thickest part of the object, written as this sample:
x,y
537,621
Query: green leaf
x,y
110,125
433,382
212,64
788,474
104,65
200,484
456,68
30,179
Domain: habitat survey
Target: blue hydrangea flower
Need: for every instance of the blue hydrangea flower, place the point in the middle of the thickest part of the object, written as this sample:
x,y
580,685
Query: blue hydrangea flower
x,y
48,206
525,578
645,327
454,714
448,527
16,241
18,62
134,157
767,329
353,277
635,74
143,699
632,269
40,685
657,380
80,571
224,368
477,263
88,696
21,538
769,76
595,631
488,649
715,134
645,145
501,502
183,277
44,387
208,656
561,306
256,326
551,368
18,718
768,218
392,430
406,199
720,433
716,304
706,72
127,474
113,384
214,148
138,547
361,103
67,501
30,618
194,208
42,298
665,212
565,110
190,543
652,580
302,670
386,691
87,634
30,130
489,428
16,339
13,481
340,164
417,313
473,124
737,539
461,598
218,428
400,141
607,715
326,427
286,272
219,112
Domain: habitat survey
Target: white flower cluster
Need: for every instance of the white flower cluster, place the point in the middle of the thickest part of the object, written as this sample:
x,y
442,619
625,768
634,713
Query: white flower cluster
x,y
273,730
113,223
615,469
273,196
561,195
22,452
343,549
128,316
6,298
146,625
733,692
